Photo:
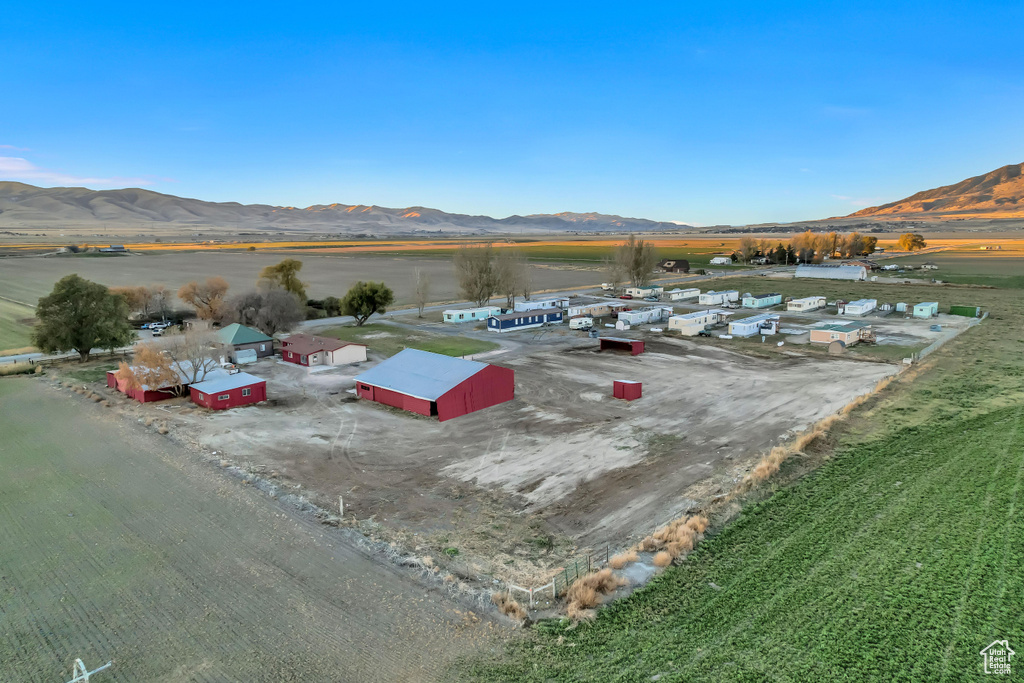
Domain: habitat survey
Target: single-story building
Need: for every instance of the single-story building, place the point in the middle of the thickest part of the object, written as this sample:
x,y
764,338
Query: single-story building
x,y
713,298
680,294
309,350
634,346
926,309
235,338
763,323
645,291
847,332
229,391
858,307
541,304
432,384
808,303
721,261
471,315
675,266
147,394
761,300
523,320
651,314
830,272
598,310
689,324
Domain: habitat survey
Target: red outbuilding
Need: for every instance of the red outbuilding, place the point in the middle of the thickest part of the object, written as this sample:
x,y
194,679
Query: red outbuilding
x,y
436,385
634,346
229,391
627,389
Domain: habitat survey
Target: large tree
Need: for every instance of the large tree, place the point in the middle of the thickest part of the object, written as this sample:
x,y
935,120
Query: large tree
x,y
636,260
512,275
285,275
206,297
269,311
912,241
747,249
365,299
79,315
475,271
192,353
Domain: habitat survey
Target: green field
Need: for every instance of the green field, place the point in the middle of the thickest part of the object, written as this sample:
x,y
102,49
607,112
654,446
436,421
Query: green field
x,y
14,332
388,340
968,269
898,560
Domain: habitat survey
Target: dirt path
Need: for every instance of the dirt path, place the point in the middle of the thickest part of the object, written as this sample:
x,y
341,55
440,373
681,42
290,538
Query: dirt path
x,y
115,545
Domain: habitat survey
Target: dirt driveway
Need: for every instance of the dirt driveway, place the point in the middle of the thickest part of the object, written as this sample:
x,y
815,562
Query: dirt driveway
x,y
118,545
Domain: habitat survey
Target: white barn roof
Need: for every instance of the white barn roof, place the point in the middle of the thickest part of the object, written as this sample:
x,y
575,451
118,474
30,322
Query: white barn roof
x,y
421,374
226,383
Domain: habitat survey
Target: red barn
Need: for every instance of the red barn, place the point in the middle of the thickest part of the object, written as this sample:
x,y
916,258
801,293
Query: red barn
x,y
229,391
143,394
436,385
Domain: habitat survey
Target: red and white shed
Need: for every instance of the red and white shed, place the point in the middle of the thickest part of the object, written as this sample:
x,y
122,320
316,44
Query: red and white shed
x,y
229,391
627,389
634,346
436,385
309,350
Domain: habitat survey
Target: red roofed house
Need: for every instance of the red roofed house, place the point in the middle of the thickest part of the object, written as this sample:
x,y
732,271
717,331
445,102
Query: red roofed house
x,y
309,350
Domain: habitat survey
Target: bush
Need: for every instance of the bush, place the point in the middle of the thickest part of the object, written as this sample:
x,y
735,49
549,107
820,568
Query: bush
x,y
622,559
662,559
509,607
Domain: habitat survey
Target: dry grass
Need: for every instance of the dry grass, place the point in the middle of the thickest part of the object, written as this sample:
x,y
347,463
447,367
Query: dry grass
x,y
509,607
662,559
588,591
676,538
577,613
17,369
622,559
18,351
148,422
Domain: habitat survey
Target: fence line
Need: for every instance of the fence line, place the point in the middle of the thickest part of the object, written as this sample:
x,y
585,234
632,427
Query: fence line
x,y
938,343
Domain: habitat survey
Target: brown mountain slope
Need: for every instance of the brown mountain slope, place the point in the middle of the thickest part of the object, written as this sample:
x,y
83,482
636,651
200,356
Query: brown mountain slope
x,y
996,194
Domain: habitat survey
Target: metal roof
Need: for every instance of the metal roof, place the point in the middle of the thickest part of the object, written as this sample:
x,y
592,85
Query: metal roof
x,y
843,327
526,314
421,374
226,383
184,370
306,344
755,319
235,334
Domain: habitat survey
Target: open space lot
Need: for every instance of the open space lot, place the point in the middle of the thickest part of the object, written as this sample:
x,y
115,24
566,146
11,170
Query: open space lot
x,y
15,325
119,545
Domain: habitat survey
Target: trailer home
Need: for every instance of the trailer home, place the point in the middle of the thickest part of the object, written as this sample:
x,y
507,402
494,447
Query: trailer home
x,y
763,323
713,298
809,303
524,320
926,309
848,333
858,307
643,316
690,324
541,304
641,292
761,300
470,315
681,294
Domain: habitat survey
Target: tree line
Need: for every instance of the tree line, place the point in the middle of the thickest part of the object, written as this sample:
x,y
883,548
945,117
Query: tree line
x,y
813,247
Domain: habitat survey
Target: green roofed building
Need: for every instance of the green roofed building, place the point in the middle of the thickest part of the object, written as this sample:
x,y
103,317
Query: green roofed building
x,y
240,342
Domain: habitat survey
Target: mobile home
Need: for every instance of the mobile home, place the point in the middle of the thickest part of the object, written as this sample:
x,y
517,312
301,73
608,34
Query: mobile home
x,y
926,309
721,261
848,333
470,315
652,314
713,298
690,324
763,323
680,294
858,307
524,320
809,303
761,300
645,291
540,304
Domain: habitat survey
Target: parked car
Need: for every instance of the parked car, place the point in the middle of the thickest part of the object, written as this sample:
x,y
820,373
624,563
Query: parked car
x,y
157,331
626,296
704,333
651,298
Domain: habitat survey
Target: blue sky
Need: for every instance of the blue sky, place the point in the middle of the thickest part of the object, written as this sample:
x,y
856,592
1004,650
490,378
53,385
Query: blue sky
x,y
706,112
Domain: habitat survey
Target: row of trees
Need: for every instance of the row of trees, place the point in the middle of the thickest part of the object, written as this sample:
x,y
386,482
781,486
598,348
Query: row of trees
x,y
812,247
483,271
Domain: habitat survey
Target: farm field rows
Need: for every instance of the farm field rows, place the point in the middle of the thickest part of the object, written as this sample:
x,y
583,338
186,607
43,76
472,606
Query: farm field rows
x,y
118,545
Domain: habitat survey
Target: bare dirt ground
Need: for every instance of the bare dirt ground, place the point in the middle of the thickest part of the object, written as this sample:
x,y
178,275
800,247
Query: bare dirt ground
x,y
117,544
563,458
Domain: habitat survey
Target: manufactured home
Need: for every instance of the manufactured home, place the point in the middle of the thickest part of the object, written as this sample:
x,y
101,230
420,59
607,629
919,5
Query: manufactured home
x,y
470,315
540,304
642,292
858,307
763,323
721,261
761,300
598,310
829,272
713,298
523,320
681,294
848,333
926,309
809,303
690,324
652,314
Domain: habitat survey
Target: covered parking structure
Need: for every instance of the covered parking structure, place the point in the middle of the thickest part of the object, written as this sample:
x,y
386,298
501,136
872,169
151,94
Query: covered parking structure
x,y
634,346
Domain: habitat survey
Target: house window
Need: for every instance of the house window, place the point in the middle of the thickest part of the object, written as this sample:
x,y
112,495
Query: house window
x,y
461,316
835,335
364,387
303,359
247,392
223,397
263,347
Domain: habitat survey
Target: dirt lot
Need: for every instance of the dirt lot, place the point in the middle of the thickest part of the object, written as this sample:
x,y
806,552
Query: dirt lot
x,y
564,456
119,545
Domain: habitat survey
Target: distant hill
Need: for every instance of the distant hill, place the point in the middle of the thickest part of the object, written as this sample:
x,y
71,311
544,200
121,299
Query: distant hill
x,y
997,194
27,206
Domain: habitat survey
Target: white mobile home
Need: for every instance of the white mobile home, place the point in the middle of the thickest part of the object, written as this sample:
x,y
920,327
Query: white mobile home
x,y
690,324
645,291
598,310
721,261
713,298
761,300
680,294
858,307
827,272
469,315
652,314
809,303
540,304
763,323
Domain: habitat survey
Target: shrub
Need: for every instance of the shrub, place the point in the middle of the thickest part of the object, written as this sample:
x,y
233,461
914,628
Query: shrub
x,y
622,559
662,559
509,607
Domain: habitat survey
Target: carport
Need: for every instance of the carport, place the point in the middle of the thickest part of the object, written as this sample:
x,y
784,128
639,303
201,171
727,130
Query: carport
x,y
634,346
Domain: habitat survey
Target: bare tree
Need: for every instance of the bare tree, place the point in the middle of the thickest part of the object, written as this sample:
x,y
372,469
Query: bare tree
x,y
205,297
270,311
511,274
636,260
422,294
747,249
474,269
192,352
613,271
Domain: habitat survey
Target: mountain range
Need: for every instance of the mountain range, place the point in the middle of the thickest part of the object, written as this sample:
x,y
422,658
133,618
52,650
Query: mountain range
x,y
999,194
26,207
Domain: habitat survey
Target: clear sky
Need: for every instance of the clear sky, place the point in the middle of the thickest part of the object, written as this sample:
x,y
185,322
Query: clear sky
x,y
707,112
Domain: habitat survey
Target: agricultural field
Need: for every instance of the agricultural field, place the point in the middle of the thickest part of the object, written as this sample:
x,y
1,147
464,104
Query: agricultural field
x,y
900,558
119,544
15,325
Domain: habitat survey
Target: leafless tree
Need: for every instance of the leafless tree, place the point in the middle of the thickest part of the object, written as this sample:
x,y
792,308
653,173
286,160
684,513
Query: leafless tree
x,y
193,353
747,249
206,297
636,260
512,274
475,271
422,294
270,311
